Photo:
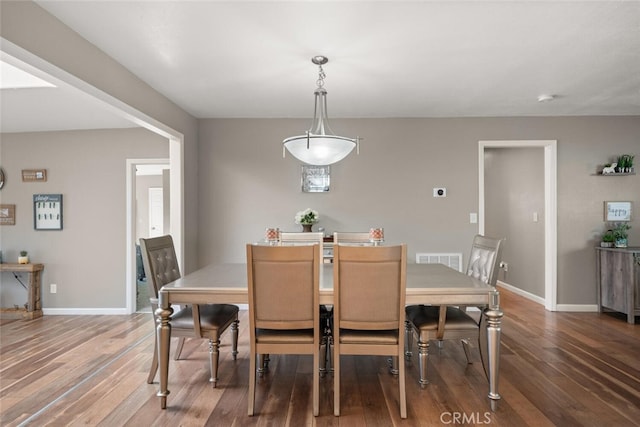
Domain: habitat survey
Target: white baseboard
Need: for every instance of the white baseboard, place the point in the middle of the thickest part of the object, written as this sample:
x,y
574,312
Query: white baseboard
x,y
83,311
518,291
98,311
586,308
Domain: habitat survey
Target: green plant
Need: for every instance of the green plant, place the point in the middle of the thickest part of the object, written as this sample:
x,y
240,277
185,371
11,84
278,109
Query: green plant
x,y
307,216
608,236
630,158
622,161
23,253
621,230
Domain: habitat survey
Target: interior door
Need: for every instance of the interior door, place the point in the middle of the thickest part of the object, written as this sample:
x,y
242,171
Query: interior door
x,y
156,212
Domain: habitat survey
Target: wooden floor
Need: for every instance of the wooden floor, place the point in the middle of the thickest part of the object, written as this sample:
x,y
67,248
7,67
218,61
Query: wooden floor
x,y
563,369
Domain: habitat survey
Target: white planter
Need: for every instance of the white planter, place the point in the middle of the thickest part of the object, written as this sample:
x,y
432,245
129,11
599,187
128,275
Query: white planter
x,y
23,260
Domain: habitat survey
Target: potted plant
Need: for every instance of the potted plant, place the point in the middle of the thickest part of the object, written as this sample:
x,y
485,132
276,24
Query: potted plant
x,y
621,233
608,239
23,258
625,163
630,158
307,218
621,163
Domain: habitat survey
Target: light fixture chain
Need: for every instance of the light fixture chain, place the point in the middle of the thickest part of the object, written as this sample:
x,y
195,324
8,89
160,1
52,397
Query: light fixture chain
x,y
321,77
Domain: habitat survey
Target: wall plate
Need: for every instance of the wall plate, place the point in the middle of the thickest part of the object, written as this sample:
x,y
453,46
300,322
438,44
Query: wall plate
x,y
439,192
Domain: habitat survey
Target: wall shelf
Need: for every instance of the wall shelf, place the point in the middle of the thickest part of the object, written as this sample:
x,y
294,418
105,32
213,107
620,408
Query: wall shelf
x,y
614,174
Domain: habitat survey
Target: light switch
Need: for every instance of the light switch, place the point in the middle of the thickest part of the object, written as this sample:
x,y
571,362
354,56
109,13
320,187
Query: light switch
x,y
473,218
535,217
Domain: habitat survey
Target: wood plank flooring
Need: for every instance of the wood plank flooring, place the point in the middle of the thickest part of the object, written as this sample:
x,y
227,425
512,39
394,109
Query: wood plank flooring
x,y
556,369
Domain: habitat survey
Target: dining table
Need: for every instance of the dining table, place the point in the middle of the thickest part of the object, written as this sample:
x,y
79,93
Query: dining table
x,y
434,284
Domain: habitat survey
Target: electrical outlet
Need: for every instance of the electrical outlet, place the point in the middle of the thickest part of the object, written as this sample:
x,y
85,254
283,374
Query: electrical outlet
x,y
439,192
53,288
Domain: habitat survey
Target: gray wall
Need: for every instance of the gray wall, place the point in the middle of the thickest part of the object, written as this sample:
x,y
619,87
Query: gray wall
x,y
514,191
86,259
246,185
31,28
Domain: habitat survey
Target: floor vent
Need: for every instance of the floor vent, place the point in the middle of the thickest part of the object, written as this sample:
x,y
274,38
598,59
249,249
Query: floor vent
x,y
450,260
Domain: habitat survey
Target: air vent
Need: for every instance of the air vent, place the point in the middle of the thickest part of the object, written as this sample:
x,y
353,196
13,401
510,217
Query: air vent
x,y
450,260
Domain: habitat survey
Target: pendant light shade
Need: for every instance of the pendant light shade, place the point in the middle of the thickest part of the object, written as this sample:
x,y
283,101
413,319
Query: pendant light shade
x,y
319,145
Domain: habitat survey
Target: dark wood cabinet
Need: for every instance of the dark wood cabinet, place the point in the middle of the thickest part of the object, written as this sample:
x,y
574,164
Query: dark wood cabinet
x,y
618,277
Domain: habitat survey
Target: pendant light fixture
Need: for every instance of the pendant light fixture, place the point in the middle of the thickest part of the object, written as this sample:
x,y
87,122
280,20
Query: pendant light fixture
x,y
319,145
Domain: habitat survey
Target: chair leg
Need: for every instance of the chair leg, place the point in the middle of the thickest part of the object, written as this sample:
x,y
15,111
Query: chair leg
x,y
323,356
234,339
408,340
262,365
336,382
423,353
316,384
178,351
154,361
402,386
467,349
213,361
393,368
252,383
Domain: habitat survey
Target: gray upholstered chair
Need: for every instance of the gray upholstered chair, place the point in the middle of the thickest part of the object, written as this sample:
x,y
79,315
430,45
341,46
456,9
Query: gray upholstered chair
x,y
284,294
369,298
198,321
448,322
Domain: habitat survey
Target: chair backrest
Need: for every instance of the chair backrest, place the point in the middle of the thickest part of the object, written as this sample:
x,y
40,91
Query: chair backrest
x,y
351,237
484,260
369,286
160,262
284,286
292,238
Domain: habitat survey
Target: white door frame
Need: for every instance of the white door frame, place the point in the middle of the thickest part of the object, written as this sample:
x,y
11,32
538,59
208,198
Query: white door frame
x,y
550,208
121,109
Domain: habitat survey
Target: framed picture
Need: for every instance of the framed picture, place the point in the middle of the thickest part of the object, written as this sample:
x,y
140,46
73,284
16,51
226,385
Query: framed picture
x,y
7,214
47,211
315,179
617,211
34,175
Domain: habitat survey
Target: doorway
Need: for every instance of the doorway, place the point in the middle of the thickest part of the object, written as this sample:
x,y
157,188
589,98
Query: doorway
x,y
149,215
550,206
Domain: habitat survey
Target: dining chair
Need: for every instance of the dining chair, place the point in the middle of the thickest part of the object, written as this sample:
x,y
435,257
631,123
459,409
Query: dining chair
x,y
369,298
305,238
284,294
449,322
199,321
351,237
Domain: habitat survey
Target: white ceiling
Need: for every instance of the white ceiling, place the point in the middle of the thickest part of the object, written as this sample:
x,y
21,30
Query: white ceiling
x,y
386,58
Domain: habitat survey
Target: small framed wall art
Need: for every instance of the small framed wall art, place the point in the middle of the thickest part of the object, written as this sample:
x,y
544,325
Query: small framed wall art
x,y
315,179
47,211
7,214
34,175
617,211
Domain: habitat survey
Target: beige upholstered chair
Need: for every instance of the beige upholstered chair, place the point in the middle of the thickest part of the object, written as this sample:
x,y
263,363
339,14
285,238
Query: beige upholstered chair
x,y
198,321
447,322
349,237
305,238
284,293
369,298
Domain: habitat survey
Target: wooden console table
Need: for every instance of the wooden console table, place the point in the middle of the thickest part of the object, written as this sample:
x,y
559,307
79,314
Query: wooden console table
x,y
33,309
618,277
